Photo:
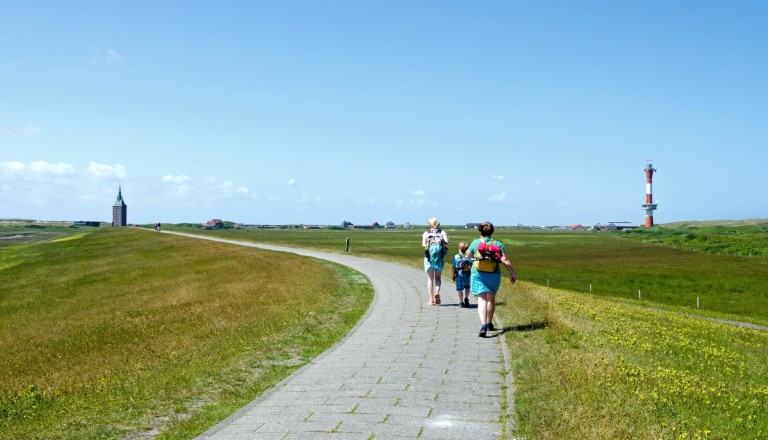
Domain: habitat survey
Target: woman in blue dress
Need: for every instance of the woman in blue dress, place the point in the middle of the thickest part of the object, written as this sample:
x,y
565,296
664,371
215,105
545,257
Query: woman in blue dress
x,y
486,274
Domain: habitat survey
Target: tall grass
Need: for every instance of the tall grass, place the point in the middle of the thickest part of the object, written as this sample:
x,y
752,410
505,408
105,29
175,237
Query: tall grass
x,y
604,366
600,264
121,331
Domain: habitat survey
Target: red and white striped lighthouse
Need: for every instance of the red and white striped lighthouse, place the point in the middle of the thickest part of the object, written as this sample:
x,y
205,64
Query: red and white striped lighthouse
x,y
649,205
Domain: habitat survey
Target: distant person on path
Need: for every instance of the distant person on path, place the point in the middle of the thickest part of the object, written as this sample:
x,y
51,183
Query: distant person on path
x,y
462,269
486,274
435,241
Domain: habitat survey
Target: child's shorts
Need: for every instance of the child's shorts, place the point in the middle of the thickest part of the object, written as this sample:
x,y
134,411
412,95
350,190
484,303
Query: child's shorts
x,y
462,281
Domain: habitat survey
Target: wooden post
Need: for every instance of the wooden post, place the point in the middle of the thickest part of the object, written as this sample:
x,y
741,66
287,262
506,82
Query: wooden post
x,y
347,245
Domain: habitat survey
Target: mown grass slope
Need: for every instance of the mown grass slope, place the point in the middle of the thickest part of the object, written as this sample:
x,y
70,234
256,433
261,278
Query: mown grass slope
x,y
110,332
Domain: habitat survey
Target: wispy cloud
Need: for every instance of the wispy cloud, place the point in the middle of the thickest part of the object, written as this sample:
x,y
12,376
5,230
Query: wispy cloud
x,y
366,201
106,171
227,188
109,56
169,178
42,183
502,197
41,169
309,199
291,182
23,130
112,56
496,177
206,189
413,204
34,170
418,192
10,168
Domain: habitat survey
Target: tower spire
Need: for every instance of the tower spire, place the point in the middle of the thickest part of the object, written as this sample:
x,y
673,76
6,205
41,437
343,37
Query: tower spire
x,y
119,200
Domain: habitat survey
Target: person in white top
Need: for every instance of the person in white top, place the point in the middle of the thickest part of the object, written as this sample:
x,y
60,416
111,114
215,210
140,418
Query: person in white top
x,y
435,243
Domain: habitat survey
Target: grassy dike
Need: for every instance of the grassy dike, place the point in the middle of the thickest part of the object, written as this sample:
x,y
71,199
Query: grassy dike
x,y
607,365
601,365
110,333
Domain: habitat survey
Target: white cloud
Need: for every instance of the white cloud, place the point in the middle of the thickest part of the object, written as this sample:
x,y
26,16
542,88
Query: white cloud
x,y
502,197
43,189
418,192
411,203
11,169
309,199
179,192
42,168
291,182
495,177
43,171
54,185
208,189
24,130
226,188
169,178
105,171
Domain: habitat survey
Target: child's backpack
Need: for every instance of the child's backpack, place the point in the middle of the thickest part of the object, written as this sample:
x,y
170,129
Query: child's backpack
x,y
487,256
463,263
436,249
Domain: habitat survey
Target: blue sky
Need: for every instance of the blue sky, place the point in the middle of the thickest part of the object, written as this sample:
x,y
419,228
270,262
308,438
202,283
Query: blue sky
x,y
314,112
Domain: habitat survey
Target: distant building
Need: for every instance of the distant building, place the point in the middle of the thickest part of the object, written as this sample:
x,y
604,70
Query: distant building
x,y
119,210
87,223
216,223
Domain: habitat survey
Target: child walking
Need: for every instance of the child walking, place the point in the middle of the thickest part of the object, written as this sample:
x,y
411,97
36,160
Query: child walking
x,y
462,268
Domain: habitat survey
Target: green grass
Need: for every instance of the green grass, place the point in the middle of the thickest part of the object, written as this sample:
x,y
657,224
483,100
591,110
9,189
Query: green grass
x,y
611,266
606,365
746,240
601,365
594,368
122,330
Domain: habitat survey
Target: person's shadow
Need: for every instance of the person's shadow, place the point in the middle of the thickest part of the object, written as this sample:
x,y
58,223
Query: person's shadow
x,y
530,327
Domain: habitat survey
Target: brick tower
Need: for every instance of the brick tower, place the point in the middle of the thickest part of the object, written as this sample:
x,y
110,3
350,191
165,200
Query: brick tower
x,y
119,210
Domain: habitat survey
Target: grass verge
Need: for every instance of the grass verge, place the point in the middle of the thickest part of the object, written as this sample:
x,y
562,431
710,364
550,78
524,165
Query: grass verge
x,y
122,332
589,367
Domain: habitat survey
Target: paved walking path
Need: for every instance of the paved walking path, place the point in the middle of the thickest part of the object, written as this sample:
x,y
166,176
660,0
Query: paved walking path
x,y
407,370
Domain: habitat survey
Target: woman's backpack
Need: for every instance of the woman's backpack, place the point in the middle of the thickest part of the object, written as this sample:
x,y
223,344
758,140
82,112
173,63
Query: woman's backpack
x,y
487,256
436,249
